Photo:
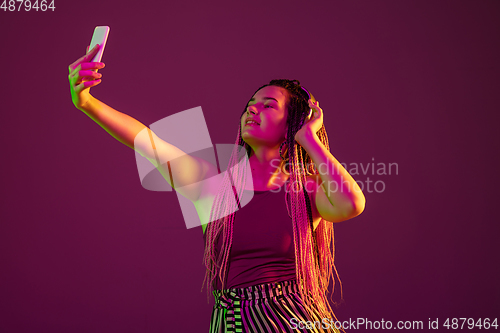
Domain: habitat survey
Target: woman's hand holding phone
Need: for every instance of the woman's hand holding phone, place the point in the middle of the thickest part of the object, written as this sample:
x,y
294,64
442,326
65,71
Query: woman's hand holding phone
x,y
82,76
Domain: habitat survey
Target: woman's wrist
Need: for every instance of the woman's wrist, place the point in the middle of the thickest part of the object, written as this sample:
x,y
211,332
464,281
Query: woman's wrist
x,y
89,106
94,108
305,137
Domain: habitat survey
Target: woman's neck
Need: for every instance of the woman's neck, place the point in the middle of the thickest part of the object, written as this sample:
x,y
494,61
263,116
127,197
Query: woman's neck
x,y
266,169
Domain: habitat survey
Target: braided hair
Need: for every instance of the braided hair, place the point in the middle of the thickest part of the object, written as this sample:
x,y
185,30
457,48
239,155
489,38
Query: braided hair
x,y
314,249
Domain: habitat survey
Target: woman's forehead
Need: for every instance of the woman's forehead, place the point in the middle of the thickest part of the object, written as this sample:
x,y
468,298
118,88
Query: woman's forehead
x,y
275,92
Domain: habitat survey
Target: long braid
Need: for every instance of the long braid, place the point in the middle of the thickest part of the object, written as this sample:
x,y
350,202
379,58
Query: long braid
x,y
222,217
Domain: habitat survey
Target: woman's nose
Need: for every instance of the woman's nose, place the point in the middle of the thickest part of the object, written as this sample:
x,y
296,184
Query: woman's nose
x,y
251,109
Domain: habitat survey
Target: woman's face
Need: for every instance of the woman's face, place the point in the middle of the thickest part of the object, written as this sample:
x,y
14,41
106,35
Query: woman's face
x,y
267,109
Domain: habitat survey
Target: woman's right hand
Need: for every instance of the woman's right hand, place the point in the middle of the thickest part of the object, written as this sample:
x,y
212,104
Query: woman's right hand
x,y
82,76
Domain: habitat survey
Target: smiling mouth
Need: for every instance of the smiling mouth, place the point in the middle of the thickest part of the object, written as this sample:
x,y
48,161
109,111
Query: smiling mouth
x,y
251,122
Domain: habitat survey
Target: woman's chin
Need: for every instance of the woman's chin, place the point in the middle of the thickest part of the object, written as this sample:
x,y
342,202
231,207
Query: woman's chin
x,y
252,140
249,138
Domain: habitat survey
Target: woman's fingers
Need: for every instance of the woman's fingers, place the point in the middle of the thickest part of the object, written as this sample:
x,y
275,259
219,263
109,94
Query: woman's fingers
x,y
317,111
86,66
85,58
89,74
85,76
79,76
92,65
86,84
314,105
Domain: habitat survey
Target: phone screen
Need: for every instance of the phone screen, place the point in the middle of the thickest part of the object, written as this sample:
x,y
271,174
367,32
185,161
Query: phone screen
x,y
100,37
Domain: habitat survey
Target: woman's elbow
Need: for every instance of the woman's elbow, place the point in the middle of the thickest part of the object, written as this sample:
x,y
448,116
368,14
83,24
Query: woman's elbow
x,y
358,205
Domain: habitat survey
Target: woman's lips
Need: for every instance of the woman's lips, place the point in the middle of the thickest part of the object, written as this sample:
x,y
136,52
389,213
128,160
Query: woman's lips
x,y
251,121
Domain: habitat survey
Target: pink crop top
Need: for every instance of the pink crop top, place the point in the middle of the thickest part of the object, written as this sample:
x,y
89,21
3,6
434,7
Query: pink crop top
x,y
262,250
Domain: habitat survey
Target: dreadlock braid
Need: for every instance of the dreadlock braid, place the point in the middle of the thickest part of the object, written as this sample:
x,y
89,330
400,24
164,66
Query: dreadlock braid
x,y
314,249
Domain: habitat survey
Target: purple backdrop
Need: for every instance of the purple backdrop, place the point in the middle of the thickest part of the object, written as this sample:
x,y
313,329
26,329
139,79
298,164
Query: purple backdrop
x,y
84,248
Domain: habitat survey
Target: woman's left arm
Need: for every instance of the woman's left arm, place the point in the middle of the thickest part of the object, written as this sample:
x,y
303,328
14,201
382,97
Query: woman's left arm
x,y
337,195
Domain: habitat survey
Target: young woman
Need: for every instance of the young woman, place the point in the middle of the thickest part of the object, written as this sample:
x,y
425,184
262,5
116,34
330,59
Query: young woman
x,y
269,262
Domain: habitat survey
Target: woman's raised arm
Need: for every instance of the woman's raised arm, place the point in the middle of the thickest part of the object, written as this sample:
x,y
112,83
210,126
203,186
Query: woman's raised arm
x,y
83,76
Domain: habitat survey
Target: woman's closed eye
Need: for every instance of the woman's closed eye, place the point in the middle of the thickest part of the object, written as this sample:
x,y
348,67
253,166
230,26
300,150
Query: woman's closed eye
x,y
266,106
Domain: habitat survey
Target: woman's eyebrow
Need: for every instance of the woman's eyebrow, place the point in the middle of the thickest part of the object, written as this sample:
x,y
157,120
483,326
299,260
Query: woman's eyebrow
x,y
264,98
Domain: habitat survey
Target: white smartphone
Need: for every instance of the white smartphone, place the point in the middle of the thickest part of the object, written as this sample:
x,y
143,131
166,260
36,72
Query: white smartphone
x,y
100,37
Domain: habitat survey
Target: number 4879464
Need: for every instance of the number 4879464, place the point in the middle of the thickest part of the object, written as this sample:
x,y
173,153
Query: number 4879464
x,y
16,5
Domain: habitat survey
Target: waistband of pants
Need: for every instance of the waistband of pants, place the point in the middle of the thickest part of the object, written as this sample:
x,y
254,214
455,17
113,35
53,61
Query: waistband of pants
x,y
228,298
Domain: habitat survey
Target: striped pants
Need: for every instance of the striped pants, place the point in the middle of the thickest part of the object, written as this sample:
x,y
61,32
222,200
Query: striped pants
x,y
266,308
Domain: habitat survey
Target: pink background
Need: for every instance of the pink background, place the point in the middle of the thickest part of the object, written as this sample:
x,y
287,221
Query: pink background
x,y
84,248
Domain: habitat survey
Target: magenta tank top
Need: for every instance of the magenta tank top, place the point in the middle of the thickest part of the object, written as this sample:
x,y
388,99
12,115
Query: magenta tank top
x,y
262,250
